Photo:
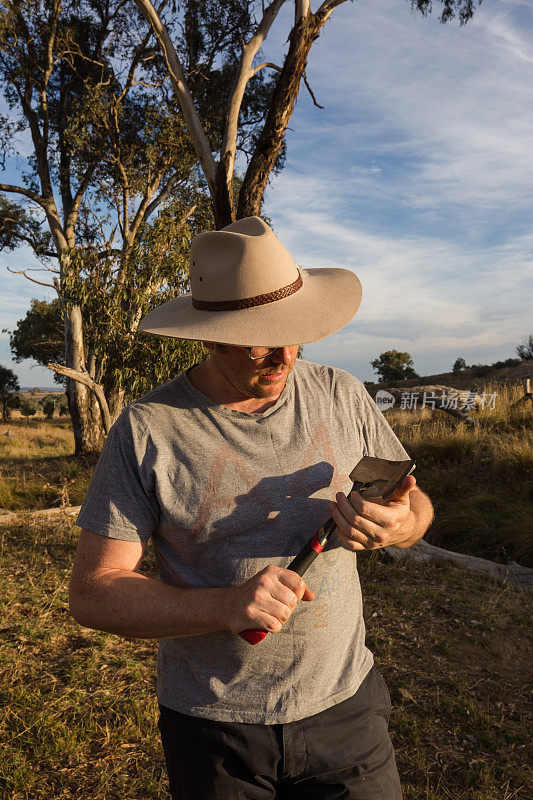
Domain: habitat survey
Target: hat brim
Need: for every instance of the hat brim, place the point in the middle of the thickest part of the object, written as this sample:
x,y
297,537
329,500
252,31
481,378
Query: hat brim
x,y
326,302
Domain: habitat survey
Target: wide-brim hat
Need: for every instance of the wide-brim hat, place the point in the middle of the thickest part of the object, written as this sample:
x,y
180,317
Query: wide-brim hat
x,y
246,289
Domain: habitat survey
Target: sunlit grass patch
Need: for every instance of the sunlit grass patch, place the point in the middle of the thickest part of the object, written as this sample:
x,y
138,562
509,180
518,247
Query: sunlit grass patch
x,y
38,468
36,439
77,707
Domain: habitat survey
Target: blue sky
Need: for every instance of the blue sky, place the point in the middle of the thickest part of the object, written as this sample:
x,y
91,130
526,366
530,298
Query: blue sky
x,y
418,176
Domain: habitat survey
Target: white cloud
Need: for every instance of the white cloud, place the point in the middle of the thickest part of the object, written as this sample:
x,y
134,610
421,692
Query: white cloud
x,y
454,101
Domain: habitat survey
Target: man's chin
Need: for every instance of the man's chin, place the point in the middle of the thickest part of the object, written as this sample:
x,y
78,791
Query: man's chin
x,y
264,388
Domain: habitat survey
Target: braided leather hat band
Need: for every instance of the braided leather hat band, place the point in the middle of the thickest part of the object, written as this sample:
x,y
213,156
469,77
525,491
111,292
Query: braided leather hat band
x,y
249,302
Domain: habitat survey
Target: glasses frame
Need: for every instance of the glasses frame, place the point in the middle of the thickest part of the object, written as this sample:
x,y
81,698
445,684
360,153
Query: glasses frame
x,y
257,358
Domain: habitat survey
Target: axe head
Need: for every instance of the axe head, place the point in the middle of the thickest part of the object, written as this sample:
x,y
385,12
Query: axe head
x,y
379,477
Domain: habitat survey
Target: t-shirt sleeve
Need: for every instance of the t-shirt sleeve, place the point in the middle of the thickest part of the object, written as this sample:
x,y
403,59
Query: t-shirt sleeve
x,y
121,502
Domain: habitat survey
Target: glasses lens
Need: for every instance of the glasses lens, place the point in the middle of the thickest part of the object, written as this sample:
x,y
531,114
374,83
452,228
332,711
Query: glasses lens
x,y
261,352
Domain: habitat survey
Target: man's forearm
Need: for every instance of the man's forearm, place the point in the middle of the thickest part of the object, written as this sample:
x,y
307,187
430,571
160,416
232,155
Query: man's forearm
x,y
422,510
132,605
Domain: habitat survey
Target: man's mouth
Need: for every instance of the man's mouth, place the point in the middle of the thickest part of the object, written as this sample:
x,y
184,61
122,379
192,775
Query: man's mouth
x,y
274,375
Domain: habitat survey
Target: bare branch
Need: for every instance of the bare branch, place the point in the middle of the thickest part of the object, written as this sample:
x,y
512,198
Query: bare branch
x,y
301,9
244,73
37,198
72,216
266,64
162,196
134,64
311,92
23,272
85,379
177,76
327,7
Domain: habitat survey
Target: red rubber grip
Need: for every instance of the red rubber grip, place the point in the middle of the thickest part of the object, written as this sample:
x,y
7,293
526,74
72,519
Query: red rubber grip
x,y
252,636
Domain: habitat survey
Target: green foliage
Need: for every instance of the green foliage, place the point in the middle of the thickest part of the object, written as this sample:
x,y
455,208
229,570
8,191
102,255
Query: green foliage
x,y
509,362
28,409
9,384
48,408
115,291
458,366
22,226
393,366
463,10
525,350
40,335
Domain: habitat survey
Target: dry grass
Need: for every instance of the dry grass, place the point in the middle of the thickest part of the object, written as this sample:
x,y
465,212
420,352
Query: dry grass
x,y
38,468
78,710
480,480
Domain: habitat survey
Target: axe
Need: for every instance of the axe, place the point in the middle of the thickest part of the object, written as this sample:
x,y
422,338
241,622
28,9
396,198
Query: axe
x,y
374,479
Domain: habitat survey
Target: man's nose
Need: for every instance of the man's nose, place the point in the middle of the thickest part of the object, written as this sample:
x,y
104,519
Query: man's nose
x,y
282,355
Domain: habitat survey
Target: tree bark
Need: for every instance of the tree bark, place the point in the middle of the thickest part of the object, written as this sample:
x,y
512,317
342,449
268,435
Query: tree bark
x,y
223,199
270,142
82,403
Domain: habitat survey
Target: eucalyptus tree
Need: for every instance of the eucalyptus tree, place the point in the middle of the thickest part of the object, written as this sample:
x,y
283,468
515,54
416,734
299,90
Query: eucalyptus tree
x,y
198,40
107,156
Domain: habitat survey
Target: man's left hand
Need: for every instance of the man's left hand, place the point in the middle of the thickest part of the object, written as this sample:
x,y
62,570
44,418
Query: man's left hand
x,y
365,525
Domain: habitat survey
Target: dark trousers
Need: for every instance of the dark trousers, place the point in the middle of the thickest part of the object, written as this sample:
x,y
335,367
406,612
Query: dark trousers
x,y
342,752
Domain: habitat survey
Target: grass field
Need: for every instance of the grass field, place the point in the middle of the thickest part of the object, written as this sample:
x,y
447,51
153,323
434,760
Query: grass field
x,y
78,711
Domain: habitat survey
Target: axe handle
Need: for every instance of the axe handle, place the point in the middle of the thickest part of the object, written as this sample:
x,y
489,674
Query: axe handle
x,y
299,564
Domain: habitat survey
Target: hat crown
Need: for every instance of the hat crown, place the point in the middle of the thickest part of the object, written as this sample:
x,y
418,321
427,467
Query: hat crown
x,y
243,260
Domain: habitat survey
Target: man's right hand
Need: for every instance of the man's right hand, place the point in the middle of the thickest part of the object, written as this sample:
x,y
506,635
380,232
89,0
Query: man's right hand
x,y
266,601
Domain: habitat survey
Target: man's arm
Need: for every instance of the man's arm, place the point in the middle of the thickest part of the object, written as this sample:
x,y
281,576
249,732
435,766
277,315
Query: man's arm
x,y
108,594
399,522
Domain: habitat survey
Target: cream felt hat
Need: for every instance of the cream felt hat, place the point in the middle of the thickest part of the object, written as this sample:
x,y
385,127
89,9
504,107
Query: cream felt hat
x,y
247,289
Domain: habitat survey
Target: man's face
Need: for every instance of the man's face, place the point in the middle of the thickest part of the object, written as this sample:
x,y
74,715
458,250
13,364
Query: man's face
x,y
264,378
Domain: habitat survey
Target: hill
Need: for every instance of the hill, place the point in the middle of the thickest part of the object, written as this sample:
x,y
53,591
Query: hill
x,y
474,377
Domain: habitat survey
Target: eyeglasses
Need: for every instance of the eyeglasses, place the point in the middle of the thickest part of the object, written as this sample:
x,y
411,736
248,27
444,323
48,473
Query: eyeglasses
x,y
256,353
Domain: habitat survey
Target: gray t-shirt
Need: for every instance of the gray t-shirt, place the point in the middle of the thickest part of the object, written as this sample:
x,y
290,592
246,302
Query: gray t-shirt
x,y
224,493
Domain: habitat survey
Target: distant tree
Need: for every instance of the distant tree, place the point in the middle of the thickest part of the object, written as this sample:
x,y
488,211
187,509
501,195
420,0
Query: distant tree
x,y
9,384
48,408
63,410
394,366
458,366
28,409
525,350
509,362
40,335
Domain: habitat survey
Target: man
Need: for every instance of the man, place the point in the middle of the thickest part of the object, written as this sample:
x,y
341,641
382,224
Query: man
x,y
230,468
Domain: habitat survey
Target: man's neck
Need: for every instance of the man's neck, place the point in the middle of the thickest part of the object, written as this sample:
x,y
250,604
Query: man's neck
x,y
207,379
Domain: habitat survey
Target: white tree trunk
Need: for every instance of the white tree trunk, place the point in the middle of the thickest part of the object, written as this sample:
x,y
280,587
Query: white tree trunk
x,y
424,552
